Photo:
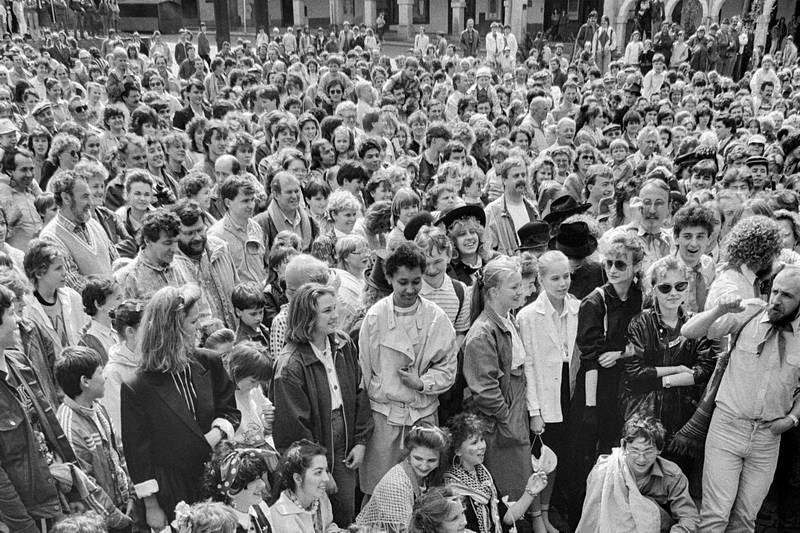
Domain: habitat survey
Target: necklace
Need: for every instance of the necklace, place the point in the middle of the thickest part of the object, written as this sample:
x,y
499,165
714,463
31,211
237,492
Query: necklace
x,y
311,508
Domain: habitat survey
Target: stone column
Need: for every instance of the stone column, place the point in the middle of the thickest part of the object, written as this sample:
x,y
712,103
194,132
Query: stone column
x,y
405,18
299,12
459,23
370,13
516,17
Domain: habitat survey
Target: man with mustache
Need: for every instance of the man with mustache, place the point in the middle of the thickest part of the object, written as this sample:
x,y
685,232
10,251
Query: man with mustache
x,y
510,211
86,247
650,227
206,261
756,401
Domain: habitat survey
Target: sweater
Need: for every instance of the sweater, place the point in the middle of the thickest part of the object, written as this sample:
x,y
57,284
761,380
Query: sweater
x,y
92,258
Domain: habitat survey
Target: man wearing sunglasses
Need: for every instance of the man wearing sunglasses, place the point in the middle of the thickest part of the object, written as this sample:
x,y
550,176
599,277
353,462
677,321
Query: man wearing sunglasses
x,y
692,228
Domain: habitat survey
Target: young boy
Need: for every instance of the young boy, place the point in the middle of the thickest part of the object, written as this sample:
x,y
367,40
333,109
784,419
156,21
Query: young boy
x,y
619,153
248,305
87,426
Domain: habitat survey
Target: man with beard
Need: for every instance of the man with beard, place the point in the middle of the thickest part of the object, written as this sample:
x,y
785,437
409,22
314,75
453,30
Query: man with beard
x,y
18,192
153,267
510,211
86,248
651,229
243,235
756,401
206,261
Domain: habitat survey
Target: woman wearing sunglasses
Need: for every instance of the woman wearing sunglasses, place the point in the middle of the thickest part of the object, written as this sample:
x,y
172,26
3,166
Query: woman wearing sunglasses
x,y
665,373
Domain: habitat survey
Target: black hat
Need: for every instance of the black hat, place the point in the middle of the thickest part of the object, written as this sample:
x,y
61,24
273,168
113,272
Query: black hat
x,y
423,218
534,235
465,211
574,240
562,207
376,277
634,88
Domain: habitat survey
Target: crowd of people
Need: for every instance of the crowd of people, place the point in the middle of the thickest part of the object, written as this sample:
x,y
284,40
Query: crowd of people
x,y
308,287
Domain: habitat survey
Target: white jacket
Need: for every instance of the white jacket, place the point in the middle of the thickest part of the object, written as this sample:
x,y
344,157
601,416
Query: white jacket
x,y
545,354
495,43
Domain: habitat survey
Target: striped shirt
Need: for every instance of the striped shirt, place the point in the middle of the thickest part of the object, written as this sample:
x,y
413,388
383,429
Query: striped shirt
x,y
446,298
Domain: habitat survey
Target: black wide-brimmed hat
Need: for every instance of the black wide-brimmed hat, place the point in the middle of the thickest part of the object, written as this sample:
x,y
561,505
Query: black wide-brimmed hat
x,y
534,236
423,218
465,211
563,207
574,240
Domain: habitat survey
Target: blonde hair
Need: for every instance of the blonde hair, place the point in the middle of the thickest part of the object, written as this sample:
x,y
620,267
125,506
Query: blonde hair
x,y
301,320
495,273
162,339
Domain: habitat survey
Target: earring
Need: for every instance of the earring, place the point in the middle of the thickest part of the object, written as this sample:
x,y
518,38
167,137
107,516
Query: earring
x,y
456,460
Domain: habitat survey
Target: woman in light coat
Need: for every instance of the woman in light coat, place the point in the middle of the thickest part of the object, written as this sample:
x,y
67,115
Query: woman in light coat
x,y
549,326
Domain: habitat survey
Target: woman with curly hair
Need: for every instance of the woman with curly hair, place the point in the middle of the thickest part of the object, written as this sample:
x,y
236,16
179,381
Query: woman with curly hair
x,y
465,227
65,152
749,252
195,130
438,511
240,478
39,142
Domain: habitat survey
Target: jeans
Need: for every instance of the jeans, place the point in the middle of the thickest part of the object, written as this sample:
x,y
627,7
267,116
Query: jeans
x,y
740,461
344,500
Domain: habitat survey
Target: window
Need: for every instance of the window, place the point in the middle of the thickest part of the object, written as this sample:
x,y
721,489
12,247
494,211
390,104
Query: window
x,y
422,12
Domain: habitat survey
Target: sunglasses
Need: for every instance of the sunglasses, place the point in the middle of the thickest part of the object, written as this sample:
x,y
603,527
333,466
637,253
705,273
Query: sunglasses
x,y
74,153
335,91
616,263
81,108
666,288
587,157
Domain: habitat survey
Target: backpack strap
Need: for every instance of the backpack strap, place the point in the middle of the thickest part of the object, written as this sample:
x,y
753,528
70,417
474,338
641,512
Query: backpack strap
x,y
458,286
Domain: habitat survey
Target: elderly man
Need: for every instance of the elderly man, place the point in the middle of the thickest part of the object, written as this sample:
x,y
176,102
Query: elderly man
x,y
18,191
244,237
655,237
512,210
206,261
87,249
756,401
285,212
44,116
535,121
470,40
153,267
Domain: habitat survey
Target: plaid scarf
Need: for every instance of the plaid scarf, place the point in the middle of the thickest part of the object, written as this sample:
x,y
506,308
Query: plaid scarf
x,y
481,493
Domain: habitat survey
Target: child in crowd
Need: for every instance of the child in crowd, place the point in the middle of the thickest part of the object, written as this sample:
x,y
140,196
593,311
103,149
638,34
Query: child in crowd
x,y
46,207
123,358
275,291
87,426
101,296
248,305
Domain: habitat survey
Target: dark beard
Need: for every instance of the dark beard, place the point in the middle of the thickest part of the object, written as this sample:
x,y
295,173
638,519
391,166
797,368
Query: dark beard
x,y
786,319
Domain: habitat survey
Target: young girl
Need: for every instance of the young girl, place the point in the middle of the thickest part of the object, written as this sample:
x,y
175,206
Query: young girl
x,y
404,206
123,360
441,198
275,291
344,144
101,295
250,368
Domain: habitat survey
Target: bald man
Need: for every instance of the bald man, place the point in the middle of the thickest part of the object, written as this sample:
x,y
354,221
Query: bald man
x,y
300,270
756,401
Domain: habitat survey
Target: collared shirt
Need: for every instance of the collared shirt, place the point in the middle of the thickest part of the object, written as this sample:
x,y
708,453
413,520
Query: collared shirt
x,y
669,488
740,282
246,245
708,271
757,384
21,207
656,245
326,358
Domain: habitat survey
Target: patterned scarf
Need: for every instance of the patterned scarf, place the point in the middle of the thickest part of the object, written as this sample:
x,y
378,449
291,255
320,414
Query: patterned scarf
x,y
480,482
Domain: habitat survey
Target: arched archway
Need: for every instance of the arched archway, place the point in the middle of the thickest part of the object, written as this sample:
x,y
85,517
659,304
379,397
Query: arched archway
x,y
674,11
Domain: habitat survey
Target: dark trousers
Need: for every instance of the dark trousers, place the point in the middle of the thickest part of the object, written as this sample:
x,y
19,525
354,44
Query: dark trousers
x,y
344,500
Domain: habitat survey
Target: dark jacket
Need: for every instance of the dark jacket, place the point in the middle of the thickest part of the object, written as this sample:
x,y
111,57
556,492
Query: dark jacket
x,y
655,344
27,490
41,356
488,373
303,400
183,116
161,438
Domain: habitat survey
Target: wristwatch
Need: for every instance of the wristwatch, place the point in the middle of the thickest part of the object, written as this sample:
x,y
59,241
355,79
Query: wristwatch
x,y
667,384
794,419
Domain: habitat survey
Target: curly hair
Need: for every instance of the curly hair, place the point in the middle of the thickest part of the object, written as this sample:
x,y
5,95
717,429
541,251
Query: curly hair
x,y
752,242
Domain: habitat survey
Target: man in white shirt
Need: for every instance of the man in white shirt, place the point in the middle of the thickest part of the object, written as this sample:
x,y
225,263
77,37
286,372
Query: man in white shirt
x,y
421,41
495,43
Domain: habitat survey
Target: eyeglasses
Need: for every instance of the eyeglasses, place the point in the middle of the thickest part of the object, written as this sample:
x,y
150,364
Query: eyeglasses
x,y
335,91
666,288
80,108
587,157
616,263
74,153
646,455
